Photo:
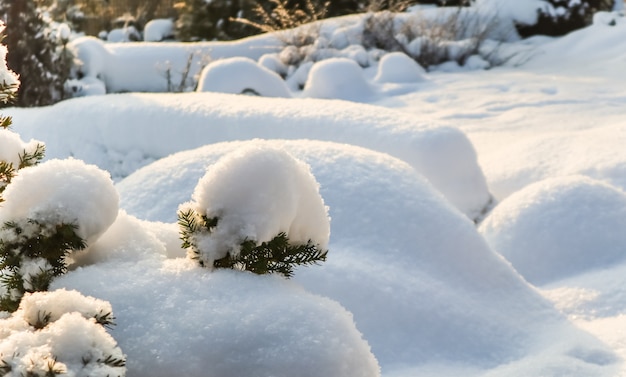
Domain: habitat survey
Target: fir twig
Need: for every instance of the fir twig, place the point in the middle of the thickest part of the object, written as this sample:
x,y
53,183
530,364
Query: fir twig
x,y
32,158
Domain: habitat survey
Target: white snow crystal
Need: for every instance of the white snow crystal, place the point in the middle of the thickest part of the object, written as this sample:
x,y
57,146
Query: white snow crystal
x,y
258,192
68,191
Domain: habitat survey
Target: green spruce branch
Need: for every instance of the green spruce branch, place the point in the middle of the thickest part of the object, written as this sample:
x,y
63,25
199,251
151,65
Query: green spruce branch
x,y
33,240
275,256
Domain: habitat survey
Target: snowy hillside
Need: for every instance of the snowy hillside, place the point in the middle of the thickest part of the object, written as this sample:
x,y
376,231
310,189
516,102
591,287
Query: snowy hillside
x,y
476,215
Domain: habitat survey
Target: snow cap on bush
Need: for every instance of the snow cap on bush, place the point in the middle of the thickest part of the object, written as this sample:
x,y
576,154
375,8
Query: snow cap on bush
x,y
241,75
398,67
340,78
258,192
63,191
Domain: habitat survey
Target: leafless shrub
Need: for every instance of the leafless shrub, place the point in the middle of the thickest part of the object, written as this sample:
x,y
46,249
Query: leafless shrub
x,y
186,79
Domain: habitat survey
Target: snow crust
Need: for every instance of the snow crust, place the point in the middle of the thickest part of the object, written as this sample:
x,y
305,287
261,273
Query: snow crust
x,y
256,193
74,193
241,75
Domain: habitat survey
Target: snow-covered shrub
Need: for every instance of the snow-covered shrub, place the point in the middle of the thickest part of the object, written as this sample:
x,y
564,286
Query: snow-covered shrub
x,y
257,209
43,224
37,53
241,76
59,333
158,30
399,67
340,78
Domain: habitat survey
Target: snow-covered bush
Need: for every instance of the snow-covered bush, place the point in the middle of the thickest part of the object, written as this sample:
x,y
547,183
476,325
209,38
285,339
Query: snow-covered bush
x,y
257,209
59,333
43,224
158,30
399,67
338,78
241,76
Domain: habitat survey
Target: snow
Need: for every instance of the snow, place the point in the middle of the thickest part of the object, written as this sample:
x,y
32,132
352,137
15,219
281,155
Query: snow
x,y
559,227
158,30
339,78
13,147
73,193
241,76
411,285
398,67
284,198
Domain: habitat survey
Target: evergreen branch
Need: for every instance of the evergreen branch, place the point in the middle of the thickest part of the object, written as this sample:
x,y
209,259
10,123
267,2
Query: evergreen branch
x,y
188,225
42,320
5,122
274,256
113,361
29,159
5,368
105,319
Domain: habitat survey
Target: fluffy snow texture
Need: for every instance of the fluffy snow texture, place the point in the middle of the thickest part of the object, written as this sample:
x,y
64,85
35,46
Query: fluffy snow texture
x,y
402,260
92,127
256,193
12,147
71,341
68,191
241,76
399,67
559,227
339,78
174,318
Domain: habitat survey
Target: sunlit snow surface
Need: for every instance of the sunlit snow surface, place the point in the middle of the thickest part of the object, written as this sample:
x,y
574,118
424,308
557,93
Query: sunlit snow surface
x,y
429,294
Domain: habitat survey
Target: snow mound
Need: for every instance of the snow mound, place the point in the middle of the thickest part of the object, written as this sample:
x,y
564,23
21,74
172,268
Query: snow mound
x,y
158,30
241,76
559,227
283,198
398,67
339,78
73,193
92,127
12,147
174,318
395,242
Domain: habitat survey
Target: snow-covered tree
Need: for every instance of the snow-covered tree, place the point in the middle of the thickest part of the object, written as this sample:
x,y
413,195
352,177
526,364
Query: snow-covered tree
x,y
36,53
208,20
259,210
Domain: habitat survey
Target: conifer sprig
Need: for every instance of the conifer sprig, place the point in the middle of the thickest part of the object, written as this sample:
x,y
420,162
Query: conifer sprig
x,y
275,256
29,241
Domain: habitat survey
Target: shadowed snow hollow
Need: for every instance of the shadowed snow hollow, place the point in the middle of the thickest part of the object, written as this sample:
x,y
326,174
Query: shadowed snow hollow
x,y
121,133
421,282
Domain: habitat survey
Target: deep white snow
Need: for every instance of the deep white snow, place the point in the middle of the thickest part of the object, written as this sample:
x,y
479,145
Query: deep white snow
x,y
411,285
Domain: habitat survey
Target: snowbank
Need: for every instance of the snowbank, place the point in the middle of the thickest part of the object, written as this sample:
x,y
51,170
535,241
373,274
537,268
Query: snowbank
x,y
121,133
559,227
339,78
422,284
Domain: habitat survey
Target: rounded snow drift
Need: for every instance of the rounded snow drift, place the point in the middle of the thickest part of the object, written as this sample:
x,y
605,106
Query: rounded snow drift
x,y
338,78
559,227
241,76
398,67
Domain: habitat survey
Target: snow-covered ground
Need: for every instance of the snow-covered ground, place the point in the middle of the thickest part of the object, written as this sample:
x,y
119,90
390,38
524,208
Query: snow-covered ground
x,y
411,285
